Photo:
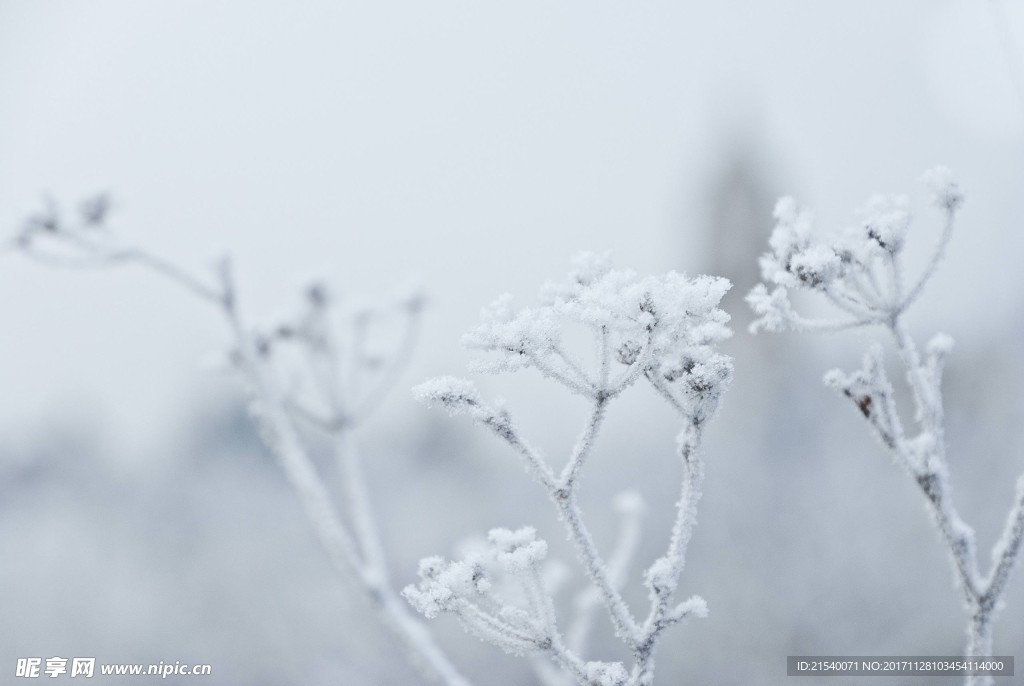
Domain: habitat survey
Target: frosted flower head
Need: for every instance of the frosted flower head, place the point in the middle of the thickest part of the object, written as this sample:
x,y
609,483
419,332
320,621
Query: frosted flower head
x,y
815,266
860,270
884,223
647,322
518,551
444,584
794,259
464,587
700,379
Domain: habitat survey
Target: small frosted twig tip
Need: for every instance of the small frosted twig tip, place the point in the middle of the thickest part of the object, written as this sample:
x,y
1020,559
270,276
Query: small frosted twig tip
x,y
945,192
454,394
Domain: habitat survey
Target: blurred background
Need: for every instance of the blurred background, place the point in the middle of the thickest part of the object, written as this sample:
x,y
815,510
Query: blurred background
x,y
473,148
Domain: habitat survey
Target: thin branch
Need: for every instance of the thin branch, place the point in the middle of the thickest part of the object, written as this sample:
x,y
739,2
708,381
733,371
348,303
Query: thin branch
x,y
1007,549
320,420
357,504
581,376
604,356
172,272
597,571
584,388
502,427
933,263
847,303
583,446
395,366
663,390
589,599
798,323
682,529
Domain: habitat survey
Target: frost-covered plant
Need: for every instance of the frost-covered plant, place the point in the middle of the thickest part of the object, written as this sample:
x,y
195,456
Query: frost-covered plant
x,y
661,329
318,369
860,272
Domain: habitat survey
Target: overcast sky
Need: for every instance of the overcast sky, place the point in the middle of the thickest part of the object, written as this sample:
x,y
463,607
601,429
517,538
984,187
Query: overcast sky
x,y
471,145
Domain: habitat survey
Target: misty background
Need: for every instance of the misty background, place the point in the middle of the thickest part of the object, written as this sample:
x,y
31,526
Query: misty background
x,y
473,148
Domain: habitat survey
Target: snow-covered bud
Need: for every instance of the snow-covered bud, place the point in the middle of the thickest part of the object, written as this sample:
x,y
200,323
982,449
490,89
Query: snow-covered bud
x,y
589,266
628,352
920,449
786,210
816,266
443,584
318,295
660,578
605,674
865,379
518,551
941,345
694,606
937,350
837,379
865,387
945,192
774,311
430,567
885,221
708,378
791,236
94,210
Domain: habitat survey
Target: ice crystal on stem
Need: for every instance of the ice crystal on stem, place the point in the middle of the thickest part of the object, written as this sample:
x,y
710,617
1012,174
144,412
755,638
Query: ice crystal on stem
x,y
659,329
861,273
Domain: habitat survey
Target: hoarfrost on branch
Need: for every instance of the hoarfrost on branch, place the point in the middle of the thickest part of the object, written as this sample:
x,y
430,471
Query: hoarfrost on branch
x,y
659,329
861,273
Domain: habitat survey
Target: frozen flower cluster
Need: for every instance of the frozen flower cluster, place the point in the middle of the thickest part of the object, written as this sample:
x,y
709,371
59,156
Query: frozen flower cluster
x,y
468,589
664,327
859,270
861,273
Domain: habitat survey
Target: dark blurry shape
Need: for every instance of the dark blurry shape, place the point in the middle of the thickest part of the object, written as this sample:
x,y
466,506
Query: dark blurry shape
x,y
740,202
94,210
